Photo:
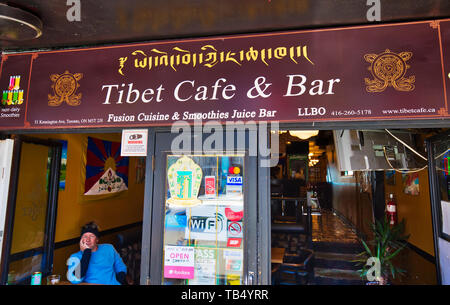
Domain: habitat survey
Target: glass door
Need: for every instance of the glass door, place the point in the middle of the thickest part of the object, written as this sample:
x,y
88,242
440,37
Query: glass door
x,y
204,217
31,213
439,164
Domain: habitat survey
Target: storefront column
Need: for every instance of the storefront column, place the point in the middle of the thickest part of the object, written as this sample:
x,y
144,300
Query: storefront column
x,y
147,213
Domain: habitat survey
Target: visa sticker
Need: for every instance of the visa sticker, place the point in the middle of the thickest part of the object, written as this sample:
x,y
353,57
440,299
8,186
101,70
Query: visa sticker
x,y
234,180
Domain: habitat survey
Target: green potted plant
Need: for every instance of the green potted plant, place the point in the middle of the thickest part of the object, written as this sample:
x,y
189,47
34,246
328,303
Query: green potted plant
x,y
388,241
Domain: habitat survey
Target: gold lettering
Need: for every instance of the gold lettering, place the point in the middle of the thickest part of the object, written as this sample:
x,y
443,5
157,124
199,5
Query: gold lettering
x,y
252,54
194,60
140,63
211,56
150,62
305,54
291,54
161,60
186,58
280,52
172,62
230,57
263,57
178,62
122,61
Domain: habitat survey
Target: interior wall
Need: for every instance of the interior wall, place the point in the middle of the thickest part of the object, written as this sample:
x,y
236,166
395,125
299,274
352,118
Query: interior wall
x,y
74,211
349,199
416,210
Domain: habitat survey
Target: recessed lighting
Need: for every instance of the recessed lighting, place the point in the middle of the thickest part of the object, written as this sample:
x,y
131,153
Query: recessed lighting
x,y
304,134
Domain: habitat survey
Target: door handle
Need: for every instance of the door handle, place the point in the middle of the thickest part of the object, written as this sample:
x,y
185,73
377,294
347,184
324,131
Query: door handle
x,y
250,278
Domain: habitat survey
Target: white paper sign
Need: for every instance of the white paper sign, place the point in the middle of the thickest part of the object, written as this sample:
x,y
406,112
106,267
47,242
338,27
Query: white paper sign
x,y
205,267
179,262
445,205
134,142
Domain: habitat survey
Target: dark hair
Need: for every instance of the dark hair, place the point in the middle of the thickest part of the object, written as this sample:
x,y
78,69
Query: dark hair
x,y
90,227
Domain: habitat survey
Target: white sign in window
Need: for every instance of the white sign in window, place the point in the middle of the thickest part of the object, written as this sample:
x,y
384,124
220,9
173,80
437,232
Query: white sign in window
x,y
134,142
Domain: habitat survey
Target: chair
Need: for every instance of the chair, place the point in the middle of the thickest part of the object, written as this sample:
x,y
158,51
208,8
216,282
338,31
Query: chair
x,y
276,187
296,269
298,224
128,245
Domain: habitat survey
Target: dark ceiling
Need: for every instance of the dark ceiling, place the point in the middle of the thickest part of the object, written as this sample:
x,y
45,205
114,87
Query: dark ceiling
x,y
119,21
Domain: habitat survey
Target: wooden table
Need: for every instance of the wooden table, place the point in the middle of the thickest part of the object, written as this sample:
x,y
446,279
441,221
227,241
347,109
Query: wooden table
x,y
277,255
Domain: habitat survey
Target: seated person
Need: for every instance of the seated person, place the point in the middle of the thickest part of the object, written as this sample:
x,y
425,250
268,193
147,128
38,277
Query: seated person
x,y
95,263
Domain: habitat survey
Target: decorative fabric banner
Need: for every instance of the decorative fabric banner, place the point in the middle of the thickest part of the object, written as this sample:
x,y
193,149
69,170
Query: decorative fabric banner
x,y
106,170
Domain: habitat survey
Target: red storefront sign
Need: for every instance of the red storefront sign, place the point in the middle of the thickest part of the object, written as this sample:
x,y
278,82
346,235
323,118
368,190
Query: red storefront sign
x,y
358,73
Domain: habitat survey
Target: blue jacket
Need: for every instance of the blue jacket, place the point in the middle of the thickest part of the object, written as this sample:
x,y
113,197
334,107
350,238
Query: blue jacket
x,y
104,264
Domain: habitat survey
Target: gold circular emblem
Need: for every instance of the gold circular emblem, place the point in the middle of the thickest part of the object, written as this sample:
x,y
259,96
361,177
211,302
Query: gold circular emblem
x,y
388,70
64,86
388,67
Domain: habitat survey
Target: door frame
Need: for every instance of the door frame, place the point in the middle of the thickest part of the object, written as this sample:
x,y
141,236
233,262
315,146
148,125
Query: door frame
x,y
6,150
154,223
52,204
435,200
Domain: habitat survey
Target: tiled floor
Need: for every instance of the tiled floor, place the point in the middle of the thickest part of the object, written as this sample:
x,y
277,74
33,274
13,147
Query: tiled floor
x,y
327,227
335,246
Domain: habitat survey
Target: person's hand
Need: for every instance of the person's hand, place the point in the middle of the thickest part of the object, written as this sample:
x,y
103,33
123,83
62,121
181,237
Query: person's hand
x,y
83,245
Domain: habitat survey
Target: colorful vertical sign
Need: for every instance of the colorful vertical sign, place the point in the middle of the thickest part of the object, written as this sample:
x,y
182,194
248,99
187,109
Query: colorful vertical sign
x,y
13,95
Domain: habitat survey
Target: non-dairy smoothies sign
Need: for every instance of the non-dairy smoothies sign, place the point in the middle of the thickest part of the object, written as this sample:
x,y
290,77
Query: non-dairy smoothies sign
x,y
359,73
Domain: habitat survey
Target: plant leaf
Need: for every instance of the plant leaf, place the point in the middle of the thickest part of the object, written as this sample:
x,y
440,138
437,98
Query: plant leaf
x,y
366,247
